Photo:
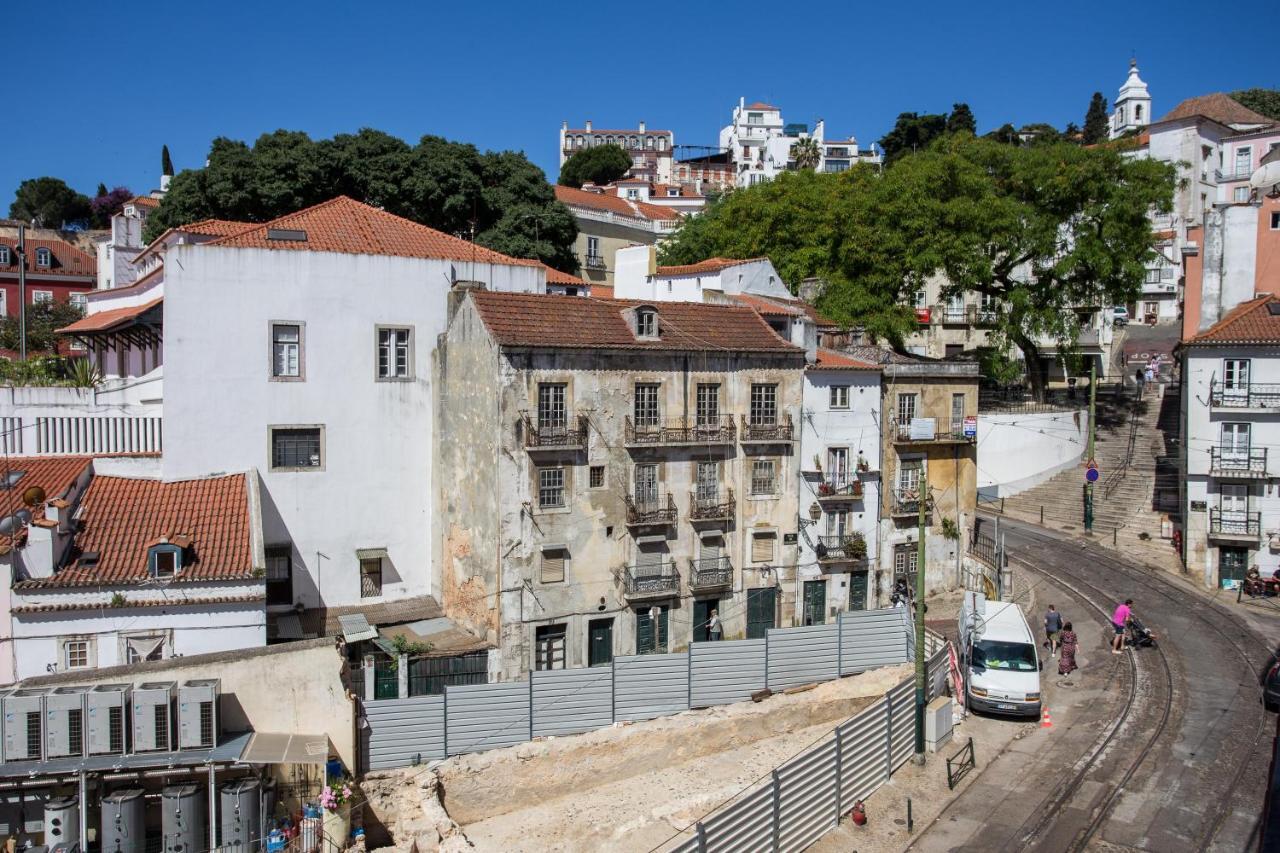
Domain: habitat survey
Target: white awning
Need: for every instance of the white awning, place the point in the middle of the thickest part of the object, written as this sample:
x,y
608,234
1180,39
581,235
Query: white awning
x,y
273,748
355,628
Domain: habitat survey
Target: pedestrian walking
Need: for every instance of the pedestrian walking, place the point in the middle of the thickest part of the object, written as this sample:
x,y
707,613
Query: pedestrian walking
x,y
714,629
1140,378
1052,625
1119,620
1067,659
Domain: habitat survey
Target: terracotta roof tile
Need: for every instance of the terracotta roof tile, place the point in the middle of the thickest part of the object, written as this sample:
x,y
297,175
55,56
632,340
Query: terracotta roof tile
x,y
54,474
613,204
67,260
829,359
761,105
119,516
1218,106
215,227
554,276
104,321
602,291
1251,322
63,607
574,322
145,201
710,265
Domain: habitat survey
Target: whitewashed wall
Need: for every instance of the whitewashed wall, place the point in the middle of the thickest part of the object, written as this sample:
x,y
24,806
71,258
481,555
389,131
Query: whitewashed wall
x,y
1017,450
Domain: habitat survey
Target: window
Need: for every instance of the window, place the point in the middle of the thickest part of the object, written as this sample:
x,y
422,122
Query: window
x,y
596,474
41,297
763,480
909,476
906,558
1153,275
838,523
707,482
549,647
395,353
4,305
651,629
1275,220
79,301
906,408
142,647
165,564
1240,195
553,561
44,257
297,448
646,323
286,350
4,256
838,465
764,405
633,194
550,488
708,405
957,414
279,574
1244,161
76,654
646,405
551,408
762,546
593,249
646,486
371,577
920,299
839,396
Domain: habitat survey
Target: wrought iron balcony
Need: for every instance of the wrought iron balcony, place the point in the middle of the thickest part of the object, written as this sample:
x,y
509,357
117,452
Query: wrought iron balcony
x,y
658,580
1238,464
718,506
840,489
849,548
903,433
780,431
710,573
569,434
1235,526
676,431
906,502
651,509
595,262
1255,395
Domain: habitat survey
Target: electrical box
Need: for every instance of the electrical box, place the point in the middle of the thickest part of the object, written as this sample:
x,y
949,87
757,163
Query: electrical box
x,y
124,827
62,823
107,719
153,716
64,722
198,714
182,819
240,808
938,723
23,730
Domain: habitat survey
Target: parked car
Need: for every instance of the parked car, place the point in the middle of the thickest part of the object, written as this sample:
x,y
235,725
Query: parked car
x,y
1120,316
999,658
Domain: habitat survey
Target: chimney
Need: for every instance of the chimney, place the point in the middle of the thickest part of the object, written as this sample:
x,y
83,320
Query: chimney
x,y
588,125
59,512
642,125
804,333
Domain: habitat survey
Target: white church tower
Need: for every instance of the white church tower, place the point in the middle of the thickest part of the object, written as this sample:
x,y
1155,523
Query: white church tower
x,y
1133,106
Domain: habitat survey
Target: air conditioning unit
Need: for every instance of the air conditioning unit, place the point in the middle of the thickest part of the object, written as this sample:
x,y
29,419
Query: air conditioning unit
x,y
23,733
64,722
198,714
107,719
153,716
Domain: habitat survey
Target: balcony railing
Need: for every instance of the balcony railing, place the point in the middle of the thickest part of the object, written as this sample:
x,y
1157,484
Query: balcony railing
x,y
1256,395
849,548
652,579
779,431
835,489
711,507
1234,525
922,434
1237,464
659,509
1232,174
571,434
717,430
595,262
710,573
906,502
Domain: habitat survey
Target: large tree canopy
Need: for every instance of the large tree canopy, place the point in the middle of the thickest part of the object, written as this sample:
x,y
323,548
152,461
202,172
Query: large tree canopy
x,y
1265,101
499,197
49,202
600,164
1045,229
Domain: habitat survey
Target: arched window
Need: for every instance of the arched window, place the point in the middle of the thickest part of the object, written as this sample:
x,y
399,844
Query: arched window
x,y
633,142
44,257
1137,112
648,142
662,143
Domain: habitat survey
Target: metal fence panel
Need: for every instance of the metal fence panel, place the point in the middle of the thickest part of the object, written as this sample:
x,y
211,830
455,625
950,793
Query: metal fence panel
x,y
802,655
725,672
872,638
902,701
647,686
862,767
487,716
938,667
570,701
745,825
807,796
404,731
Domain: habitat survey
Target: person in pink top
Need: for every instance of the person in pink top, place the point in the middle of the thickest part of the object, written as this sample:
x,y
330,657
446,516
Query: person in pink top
x,y
1119,620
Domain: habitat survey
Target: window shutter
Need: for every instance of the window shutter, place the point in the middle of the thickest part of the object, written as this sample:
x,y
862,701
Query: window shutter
x,y
552,566
762,547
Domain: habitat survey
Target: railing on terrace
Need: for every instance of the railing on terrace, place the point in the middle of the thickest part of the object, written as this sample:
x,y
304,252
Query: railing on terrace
x,y
717,430
1255,395
906,502
943,431
651,509
1228,523
711,507
1226,462
562,435
1018,398
779,430
710,573
652,579
845,488
851,547
595,262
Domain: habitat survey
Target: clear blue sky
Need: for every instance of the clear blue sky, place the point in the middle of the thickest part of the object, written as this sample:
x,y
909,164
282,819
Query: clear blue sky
x,y
96,91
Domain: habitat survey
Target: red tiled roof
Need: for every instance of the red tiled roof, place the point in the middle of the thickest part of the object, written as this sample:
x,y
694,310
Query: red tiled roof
x,y
104,321
1249,322
215,227
660,191
708,266
614,204
345,225
829,359
536,320
54,474
554,276
121,517
67,260
62,607
145,201
761,105
602,291
1218,106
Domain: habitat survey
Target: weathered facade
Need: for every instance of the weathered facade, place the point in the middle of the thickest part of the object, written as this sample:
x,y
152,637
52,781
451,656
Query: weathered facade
x,y
613,472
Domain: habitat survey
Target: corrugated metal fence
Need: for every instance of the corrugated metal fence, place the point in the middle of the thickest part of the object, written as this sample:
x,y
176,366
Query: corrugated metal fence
x,y
472,718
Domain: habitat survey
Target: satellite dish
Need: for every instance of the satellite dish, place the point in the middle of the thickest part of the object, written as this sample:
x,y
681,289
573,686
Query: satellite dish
x,y
11,524
34,495
1265,177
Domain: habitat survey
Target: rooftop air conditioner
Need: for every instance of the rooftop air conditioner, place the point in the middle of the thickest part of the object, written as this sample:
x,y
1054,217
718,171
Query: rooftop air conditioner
x,y
107,719
153,716
23,715
64,722
198,714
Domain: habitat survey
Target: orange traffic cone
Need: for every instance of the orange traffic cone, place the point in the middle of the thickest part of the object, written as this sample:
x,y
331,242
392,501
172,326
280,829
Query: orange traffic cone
x,y
1046,722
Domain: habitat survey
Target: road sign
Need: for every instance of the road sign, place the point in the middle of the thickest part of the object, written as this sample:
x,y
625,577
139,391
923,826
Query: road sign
x,y
1091,475
1092,463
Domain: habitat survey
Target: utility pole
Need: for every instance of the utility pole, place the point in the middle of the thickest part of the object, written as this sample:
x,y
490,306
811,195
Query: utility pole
x,y
1093,419
22,290
921,675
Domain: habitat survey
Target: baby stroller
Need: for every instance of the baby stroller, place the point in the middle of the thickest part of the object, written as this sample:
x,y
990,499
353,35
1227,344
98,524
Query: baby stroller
x,y
1139,636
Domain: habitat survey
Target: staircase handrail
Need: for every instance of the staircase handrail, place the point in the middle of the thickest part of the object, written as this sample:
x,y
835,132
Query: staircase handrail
x,y
1113,480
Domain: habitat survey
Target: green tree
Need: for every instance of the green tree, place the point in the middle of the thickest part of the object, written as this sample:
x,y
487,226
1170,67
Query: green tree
x,y
600,164
1096,121
805,153
1005,134
48,202
1265,101
102,190
43,320
166,164
961,119
912,132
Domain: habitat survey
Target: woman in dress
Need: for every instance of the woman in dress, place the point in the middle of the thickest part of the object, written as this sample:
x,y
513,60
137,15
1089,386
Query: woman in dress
x,y
1067,650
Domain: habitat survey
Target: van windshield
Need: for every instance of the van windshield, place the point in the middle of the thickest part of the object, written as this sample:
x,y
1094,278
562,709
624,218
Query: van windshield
x,y
991,654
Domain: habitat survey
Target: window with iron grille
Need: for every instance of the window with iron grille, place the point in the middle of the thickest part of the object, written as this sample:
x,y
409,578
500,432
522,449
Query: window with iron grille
x,y
764,405
551,409
549,643
839,396
906,408
763,479
550,488
279,574
75,732
394,353
596,473
553,560
646,405
371,577
294,448
708,405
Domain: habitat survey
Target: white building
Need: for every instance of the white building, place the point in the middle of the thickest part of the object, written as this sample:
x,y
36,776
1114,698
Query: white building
x,y
651,151
1133,105
638,276
1231,437
759,144
117,249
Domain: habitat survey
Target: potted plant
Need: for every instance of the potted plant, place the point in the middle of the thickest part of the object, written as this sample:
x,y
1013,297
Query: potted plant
x,y
855,546
824,489
335,799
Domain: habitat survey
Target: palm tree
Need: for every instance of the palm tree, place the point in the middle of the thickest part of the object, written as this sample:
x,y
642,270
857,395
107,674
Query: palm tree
x,y
805,153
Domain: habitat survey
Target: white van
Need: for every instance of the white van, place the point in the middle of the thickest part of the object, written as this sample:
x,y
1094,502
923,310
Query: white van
x,y
999,658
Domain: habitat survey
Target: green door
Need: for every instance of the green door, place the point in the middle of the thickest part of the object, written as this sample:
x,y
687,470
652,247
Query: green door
x,y
858,591
647,643
386,679
702,608
1232,565
599,642
815,602
761,605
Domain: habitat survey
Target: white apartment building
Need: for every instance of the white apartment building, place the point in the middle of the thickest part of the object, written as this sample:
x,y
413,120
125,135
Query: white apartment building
x,y
759,144
651,151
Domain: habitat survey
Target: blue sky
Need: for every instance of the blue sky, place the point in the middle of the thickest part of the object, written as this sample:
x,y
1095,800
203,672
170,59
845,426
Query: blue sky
x,y
121,83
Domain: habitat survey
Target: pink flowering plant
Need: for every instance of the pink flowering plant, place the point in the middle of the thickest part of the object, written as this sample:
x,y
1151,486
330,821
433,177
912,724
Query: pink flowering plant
x,y
337,791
